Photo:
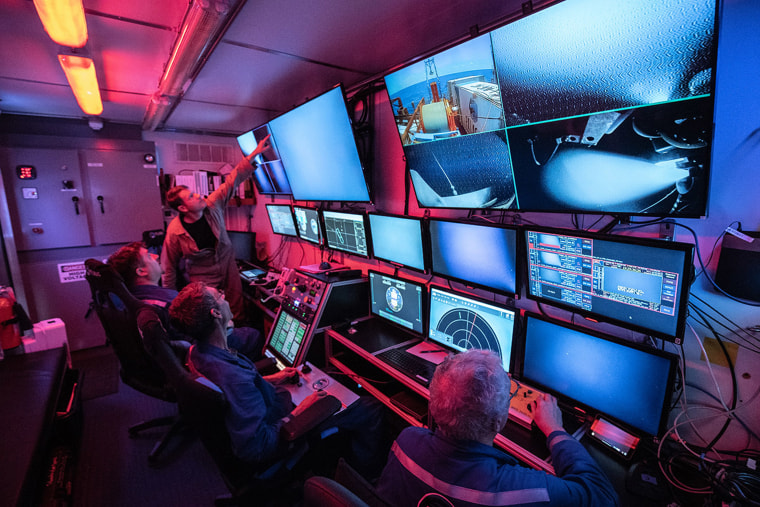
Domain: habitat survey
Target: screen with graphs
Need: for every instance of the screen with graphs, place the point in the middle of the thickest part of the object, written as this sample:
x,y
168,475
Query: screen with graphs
x,y
345,232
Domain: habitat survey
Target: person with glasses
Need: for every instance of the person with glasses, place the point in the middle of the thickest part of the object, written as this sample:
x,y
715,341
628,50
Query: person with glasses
x,y
256,404
469,402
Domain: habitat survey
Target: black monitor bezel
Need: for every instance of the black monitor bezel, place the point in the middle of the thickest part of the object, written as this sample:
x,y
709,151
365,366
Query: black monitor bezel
x,y
518,372
420,221
269,218
468,283
517,323
363,216
423,301
686,248
319,223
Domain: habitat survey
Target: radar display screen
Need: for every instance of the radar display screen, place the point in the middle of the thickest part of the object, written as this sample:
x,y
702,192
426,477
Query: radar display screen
x,y
463,322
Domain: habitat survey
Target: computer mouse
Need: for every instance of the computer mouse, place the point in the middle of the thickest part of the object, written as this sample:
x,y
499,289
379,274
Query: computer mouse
x,y
324,265
351,330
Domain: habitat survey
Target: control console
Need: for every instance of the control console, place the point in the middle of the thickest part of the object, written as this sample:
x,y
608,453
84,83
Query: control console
x,y
300,294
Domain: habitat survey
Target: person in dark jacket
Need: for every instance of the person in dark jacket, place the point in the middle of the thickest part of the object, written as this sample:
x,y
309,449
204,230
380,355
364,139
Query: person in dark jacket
x,y
469,401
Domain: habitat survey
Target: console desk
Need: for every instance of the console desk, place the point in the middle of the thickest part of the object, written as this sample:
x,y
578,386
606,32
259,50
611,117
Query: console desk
x,y
352,355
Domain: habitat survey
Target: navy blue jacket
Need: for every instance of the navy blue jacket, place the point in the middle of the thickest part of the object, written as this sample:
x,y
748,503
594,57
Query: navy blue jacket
x,y
470,473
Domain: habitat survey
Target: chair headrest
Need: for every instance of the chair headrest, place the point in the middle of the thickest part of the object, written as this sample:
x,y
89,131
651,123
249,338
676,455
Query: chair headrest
x,y
104,273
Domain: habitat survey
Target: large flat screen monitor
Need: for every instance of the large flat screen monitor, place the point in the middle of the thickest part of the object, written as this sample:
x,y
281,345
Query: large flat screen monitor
x,y
481,255
595,106
639,283
462,322
318,150
397,240
269,175
627,382
287,338
397,300
281,219
345,232
307,222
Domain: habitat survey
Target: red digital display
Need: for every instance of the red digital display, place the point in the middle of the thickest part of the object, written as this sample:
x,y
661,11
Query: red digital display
x,y
26,172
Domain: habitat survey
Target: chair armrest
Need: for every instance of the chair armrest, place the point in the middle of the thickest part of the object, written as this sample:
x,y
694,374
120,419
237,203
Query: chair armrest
x,y
310,418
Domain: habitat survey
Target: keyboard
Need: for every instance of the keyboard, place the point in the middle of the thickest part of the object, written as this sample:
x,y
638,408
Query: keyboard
x,y
409,364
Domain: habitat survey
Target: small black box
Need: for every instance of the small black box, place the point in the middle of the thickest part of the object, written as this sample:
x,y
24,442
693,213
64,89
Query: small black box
x,y
739,266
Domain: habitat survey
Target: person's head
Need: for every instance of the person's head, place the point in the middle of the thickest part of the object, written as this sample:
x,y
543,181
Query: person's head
x,y
199,310
182,199
469,396
136,265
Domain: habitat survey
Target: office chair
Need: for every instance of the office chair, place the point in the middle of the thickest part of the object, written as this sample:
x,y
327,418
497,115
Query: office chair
x,y
202,405
116,308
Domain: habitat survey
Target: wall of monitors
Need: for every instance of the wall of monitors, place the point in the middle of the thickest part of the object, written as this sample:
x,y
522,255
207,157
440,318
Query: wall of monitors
x,y
596,106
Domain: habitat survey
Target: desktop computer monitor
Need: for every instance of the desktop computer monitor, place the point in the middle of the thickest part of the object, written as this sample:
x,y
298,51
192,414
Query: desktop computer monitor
x,y
397,300
629,383
281,219
345,232
478,254
462,322
639,283
307,222
397,240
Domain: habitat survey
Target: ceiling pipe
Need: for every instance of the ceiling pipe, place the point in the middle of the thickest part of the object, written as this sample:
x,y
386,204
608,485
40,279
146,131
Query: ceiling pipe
x,y
202,28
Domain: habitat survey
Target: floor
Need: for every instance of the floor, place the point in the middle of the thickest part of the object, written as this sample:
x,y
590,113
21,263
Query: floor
x,y
112,469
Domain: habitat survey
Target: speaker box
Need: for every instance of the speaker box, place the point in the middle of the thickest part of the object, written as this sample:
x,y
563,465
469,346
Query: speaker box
x,y
739,266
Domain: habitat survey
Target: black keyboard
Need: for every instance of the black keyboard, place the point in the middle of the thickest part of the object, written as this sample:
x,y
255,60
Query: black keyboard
x,y
409,364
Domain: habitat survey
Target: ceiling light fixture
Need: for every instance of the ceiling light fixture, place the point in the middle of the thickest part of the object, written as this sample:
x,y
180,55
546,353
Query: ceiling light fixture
x,y
205,22
63,21
80,72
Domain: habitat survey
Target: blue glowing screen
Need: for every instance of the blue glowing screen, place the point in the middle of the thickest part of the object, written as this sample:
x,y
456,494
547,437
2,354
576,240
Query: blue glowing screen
x,y
479,254
318,150
281,219
585,106
269,175
629,384
397,239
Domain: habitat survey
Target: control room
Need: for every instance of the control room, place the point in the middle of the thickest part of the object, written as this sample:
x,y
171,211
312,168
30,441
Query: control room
x,y
426,237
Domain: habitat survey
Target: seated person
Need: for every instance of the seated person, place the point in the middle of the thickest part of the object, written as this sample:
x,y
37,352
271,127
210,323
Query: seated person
x,y
257,405
469,401
142,272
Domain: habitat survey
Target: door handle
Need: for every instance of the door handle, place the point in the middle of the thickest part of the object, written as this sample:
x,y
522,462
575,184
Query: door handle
x,y
100,200
75,199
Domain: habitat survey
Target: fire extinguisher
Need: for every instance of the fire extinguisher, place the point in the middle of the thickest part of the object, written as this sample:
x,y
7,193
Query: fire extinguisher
x,y
10,333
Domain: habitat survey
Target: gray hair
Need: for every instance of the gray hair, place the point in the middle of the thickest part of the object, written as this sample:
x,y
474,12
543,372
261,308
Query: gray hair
x,y
468,394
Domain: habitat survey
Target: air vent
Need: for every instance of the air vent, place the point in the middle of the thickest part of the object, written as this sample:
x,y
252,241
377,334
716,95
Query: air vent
x,y
190,152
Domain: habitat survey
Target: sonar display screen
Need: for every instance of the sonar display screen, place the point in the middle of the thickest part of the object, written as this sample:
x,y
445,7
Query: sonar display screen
x,y
463,322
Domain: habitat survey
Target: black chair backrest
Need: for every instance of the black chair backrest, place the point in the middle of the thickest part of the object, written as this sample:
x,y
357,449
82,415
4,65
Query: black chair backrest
x,y
116,308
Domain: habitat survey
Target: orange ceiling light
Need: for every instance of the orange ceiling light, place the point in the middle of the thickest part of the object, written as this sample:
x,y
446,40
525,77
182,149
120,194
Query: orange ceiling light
x,y
80,72
63,21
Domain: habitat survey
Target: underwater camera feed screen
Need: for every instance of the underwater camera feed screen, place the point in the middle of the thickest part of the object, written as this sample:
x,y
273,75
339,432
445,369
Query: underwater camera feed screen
x,y
599,106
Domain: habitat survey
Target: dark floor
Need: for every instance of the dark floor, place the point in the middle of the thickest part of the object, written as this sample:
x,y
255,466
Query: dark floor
x,y
112,468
